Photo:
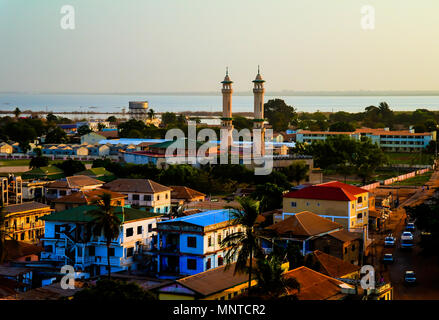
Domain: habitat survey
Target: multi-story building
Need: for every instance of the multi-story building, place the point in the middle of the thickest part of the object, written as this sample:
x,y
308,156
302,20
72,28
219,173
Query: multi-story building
x,y
81,198
339,202
192,244
69,240
400,141
24,221
143,193
60,188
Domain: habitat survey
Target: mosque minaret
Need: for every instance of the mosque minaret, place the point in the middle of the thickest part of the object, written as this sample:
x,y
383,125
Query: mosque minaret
x,y
258,120
226,120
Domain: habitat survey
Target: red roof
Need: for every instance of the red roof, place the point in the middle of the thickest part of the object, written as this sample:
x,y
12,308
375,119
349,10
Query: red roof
x,y
333,190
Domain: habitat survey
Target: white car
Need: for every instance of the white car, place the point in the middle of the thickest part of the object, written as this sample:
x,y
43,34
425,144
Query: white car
x,y
389,241
406,235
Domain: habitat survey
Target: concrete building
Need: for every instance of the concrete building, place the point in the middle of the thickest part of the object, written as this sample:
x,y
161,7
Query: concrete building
x,y
192,244
68,241
60,188
23,221
6,148
86,197
143,193
258,120
138,110
340,202
392,141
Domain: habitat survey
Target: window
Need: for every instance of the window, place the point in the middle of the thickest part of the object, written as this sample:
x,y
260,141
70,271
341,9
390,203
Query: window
x,y
150,227
27,219
191,242
136,197
130,252
62,193
360,200
294,204
208,264
158,197
191,264
139,229
353,247
220,261
359,216
345,250
91,251
111,252
219,239
147,197
167,196
129,232
22,236
209,241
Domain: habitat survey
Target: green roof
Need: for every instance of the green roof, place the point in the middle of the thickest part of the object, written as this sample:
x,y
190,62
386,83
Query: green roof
x,y
49,171
179,143
95,172
80,214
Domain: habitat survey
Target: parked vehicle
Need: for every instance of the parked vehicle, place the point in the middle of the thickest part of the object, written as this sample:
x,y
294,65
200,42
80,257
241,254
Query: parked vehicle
x,y
388,258
410,277
410,226
406,239
389,241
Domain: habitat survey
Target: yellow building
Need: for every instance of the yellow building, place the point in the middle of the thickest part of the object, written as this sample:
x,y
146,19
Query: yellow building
x,y
6,148
214,284
339,202
23,221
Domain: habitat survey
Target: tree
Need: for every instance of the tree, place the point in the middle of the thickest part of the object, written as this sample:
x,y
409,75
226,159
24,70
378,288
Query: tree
x,y
17,112
38,161
342,127
112,119
242,246
168,118
70,167
151,114
106,222
279,114
294,255
271,280
82,130
114,290
269,195
51,117
101,126
240,123
430,125
56,135
297,171
367,159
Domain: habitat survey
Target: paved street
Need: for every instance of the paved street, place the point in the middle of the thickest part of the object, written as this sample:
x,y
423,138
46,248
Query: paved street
x,y
426,268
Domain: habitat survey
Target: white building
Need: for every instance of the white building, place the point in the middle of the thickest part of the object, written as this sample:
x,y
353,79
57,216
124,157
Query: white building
x,y
68,240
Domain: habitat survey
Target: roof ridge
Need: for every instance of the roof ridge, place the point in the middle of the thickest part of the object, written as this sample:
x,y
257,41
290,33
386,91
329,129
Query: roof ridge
x,y
301,223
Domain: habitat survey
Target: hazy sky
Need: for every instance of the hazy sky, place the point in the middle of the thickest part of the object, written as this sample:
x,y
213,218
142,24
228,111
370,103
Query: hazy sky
x,y
185,45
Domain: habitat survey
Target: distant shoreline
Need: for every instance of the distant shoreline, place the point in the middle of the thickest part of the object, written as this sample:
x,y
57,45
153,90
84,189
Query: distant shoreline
x,y
249,93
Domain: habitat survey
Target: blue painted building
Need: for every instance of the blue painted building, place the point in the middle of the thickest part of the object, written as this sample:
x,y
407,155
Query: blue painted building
x,y
192,244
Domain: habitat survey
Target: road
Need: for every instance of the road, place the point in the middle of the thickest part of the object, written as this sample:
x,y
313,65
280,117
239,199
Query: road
x,y
425,267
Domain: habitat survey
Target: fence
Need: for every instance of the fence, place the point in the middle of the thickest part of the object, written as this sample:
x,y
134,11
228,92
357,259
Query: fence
x,y
403,177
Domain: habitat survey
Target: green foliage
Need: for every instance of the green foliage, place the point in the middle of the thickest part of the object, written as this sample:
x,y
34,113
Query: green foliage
x,y
269,195
168,118
114,290
271,280
279,114
111,119
296,172
240,123
56,135
70,167
347,155
38,162
51,117
82,130
342,127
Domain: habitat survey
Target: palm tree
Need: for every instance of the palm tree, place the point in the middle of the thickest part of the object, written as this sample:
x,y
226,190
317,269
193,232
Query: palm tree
x,y
151,114
271,279
105,221
17,112
243,245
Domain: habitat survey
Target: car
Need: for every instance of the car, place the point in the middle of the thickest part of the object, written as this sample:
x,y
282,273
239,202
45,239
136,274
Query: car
x,y
410,277
407,235
389,241
410,226
388,258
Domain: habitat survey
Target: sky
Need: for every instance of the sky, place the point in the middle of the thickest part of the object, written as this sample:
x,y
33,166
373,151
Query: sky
x,y
185,45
